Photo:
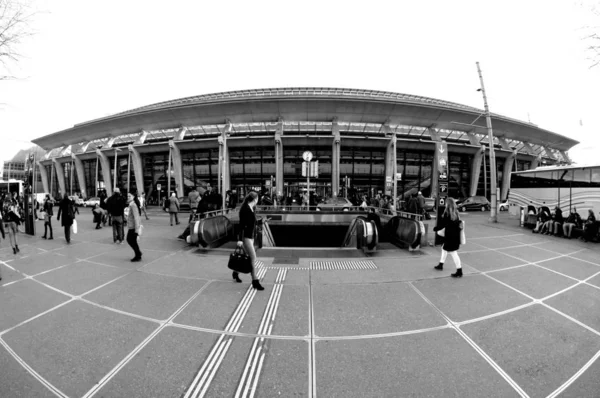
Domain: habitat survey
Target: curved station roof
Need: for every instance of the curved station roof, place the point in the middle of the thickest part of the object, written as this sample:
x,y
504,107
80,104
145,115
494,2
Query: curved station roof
x,y
306,110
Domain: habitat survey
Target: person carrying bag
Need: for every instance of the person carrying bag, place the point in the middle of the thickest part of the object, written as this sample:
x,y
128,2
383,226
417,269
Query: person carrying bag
x,y
247,232
451,228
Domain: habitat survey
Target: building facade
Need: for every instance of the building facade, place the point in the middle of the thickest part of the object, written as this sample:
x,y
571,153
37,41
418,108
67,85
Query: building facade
x,y
254,140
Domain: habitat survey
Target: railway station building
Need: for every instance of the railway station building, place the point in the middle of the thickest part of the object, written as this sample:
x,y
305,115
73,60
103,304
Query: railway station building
x,y
369,141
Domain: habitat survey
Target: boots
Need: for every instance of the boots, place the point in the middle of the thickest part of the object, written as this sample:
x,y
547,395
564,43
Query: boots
x,y
256,284
457,274
440,266
236,277
17,247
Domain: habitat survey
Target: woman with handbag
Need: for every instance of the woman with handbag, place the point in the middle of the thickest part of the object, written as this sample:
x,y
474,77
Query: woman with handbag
x,y
452,226
247,231
134,225
66,208
48,205
12,218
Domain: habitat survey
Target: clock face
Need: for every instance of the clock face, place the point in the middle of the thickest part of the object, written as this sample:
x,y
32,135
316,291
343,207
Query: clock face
x,y
307,156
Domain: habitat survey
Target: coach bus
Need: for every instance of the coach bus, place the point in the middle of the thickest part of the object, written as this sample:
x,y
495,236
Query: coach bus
x,y
11,186
562,186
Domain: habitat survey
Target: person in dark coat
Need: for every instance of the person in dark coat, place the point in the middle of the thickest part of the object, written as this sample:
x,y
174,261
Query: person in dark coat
x,y
48,205
590,228
413,205
452,225
66,208
247,232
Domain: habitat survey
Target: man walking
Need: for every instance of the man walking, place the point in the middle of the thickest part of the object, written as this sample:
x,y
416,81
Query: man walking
x,y
116,205
142,199
420,203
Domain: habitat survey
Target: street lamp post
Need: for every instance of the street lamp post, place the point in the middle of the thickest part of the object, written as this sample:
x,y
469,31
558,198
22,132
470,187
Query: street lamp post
x,y
488,119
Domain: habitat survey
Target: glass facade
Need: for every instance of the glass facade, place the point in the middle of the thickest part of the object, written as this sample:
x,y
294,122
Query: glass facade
x,y
253,168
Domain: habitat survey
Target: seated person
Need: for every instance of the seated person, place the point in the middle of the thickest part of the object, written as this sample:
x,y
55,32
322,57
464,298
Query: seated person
x,y
590,227
555,224
573,221
543,217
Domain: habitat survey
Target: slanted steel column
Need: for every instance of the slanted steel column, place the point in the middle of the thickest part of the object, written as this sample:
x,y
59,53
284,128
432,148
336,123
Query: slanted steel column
x,y
223,172
476,170
60,176
80,175
44,176
508,167
177,167
138,171
390,164
105,172
536,162
335,158
279,157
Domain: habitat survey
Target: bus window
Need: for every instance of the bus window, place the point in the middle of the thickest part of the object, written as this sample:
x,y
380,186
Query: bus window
x,y
596,177
545,179
581,178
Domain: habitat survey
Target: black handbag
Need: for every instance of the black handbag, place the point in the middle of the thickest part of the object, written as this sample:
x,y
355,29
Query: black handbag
x,y
239,261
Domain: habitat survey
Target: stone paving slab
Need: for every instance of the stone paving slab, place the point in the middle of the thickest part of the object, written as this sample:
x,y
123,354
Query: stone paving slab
x,y
8,275
84,250
25,299
486,261
532,254
469,297
293,312
15,381
536,346
534,281
164,367
582,303
121,255
26,250
572,267
38,263
80,277
590,255
75,357
588,385
153,296
351,310
434,364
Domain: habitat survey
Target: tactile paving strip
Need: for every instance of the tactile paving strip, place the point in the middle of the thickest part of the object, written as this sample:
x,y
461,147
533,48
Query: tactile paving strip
x,y
333,265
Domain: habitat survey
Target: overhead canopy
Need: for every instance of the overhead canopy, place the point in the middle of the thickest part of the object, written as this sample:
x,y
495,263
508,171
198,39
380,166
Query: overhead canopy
x,y
303,105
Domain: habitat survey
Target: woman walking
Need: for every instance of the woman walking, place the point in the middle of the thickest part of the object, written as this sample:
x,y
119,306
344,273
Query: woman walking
x,y
247,231
12,219
48,205
452,226
173,208
134,224
67,210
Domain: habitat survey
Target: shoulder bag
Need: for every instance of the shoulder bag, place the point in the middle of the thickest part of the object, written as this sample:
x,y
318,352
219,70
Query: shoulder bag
x,y
239,261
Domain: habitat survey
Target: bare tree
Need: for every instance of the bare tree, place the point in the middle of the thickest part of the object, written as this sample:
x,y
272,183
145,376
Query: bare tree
x,y
14,27
592,31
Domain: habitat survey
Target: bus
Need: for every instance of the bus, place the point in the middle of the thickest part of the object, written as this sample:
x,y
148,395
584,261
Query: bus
x,y
563,186
11,186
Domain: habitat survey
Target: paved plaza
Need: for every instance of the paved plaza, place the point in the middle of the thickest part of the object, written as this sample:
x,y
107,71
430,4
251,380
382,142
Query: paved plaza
x,y
81,320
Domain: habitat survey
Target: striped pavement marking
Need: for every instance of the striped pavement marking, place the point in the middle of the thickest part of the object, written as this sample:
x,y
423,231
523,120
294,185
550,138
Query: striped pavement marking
x,y
249,381
209,369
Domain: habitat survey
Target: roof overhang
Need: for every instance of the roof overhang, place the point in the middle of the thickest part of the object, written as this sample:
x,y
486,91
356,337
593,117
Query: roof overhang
x,y
303,108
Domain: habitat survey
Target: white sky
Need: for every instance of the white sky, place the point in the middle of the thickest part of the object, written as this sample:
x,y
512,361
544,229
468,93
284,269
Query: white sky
x,y
89,60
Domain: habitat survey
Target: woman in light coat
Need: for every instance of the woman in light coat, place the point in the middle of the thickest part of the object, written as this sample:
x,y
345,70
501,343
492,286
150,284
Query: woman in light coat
x,y
173,208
